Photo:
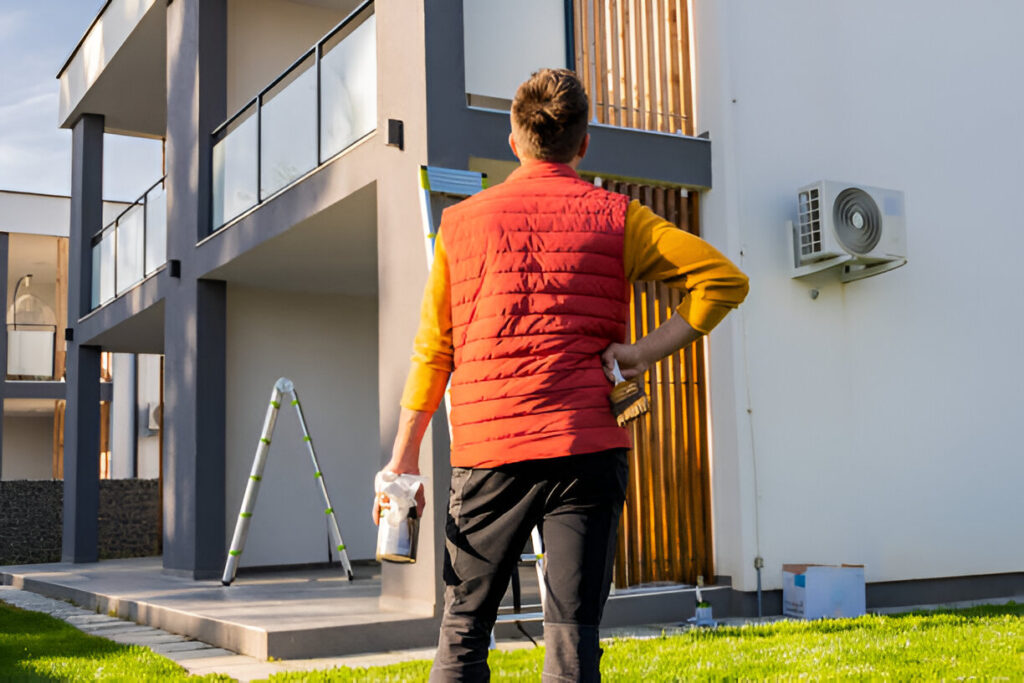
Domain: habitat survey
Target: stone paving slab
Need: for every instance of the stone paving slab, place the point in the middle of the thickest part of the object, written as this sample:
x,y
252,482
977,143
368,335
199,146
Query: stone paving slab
x,y
180,646
147,639
207,652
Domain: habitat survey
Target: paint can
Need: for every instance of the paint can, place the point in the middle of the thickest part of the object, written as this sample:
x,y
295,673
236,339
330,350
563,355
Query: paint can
x,y
398,543
399,527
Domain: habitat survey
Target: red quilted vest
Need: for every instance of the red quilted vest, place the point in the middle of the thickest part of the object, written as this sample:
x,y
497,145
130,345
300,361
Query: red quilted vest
x,y
538,291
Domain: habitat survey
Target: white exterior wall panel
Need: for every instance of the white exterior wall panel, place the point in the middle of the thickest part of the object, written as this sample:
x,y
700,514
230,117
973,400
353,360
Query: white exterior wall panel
x,y
883,413
327,345
28,447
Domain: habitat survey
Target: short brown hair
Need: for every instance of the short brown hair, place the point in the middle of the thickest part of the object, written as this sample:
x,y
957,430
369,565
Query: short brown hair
x,y
549,115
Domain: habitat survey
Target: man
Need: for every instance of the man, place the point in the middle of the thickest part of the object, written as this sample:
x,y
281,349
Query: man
x,y
525,310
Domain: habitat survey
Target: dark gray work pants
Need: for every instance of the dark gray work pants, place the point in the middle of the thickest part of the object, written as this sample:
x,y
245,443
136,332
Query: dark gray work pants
x,y
576,502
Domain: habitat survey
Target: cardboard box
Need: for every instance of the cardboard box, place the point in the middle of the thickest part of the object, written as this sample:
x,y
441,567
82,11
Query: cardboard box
x,y
814,591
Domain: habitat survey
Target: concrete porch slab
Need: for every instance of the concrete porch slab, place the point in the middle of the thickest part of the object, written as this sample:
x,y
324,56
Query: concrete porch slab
x,y
301,614
285,615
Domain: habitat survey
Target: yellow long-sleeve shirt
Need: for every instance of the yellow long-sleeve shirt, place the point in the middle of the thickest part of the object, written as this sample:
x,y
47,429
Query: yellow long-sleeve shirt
x,y
654,250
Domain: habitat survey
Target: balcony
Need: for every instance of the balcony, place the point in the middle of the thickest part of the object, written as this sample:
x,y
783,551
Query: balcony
x,y
324,103
130,248
123,48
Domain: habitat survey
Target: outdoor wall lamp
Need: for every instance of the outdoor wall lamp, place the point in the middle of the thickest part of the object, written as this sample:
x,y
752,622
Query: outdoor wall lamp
x,y
27,279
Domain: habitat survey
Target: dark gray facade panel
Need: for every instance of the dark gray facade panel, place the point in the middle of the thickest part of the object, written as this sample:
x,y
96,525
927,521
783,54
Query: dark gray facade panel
x,y
330,183
82,412
30,389
210,410
446,86
659,157
194,338
86,209
456,131
197,103
82,455
139,300
194,403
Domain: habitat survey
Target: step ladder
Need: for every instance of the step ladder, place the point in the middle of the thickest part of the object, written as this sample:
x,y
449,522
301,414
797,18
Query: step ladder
x,y
282,387
515,616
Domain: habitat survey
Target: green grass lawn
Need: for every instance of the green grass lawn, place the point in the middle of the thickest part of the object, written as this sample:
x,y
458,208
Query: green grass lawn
x,y
985,642
37,647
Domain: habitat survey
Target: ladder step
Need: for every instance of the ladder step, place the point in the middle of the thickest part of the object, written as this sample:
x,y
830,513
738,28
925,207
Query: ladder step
x,y
522,616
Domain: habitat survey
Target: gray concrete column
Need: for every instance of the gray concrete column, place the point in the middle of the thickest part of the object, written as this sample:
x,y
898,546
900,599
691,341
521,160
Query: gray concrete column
x,y
401,272
194,331
194,391
82,455
86,210
82,416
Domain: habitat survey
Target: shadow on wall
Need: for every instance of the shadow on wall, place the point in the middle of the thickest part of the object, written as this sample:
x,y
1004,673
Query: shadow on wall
x,y
31,515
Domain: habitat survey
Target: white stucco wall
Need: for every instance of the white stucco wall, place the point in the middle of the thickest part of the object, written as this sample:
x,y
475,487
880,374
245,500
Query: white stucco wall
x,y
507,41
883,415
134,448
122,417
148,394
43,214
266,36
327,345
28,447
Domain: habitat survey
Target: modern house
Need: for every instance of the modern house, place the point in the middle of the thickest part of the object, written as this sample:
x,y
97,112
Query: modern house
x,y
34,235
34,259
866,422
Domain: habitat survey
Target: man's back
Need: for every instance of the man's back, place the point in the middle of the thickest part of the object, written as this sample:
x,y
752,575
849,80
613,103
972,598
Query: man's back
x,y
538,290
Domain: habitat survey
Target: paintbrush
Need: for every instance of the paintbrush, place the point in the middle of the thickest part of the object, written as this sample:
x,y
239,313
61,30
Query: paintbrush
x,y
628,398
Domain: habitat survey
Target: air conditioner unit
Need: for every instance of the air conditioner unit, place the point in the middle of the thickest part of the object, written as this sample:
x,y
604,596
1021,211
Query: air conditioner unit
x,y
857,230
148,421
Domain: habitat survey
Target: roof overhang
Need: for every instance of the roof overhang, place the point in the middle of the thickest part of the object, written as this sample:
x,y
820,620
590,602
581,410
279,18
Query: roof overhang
x,y
118,69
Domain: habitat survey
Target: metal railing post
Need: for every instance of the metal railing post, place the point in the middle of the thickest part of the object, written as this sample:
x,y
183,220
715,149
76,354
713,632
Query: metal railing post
x,y
117,229
319,107
145,228
259,149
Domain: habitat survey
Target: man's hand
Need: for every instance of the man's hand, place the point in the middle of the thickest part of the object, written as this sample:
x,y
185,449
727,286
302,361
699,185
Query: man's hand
x,y
631,361
634,359
405,455
380,501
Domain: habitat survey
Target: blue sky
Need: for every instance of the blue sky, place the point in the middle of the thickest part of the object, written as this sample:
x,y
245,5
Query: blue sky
x,y
35,155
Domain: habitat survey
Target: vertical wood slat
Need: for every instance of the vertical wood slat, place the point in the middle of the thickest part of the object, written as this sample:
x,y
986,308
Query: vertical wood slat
x,y
634,59
665,532
58,439
600,92
104,439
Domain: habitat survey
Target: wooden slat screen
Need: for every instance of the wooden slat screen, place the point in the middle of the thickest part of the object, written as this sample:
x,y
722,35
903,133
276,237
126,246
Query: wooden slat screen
x,y
634,59
665,532
59,415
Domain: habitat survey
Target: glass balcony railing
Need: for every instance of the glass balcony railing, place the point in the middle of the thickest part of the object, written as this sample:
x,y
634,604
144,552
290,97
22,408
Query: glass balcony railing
x,y
321,105
130,248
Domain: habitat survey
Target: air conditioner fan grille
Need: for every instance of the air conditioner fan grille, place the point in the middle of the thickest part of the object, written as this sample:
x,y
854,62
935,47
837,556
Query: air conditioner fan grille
x,y
858,222
810,222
